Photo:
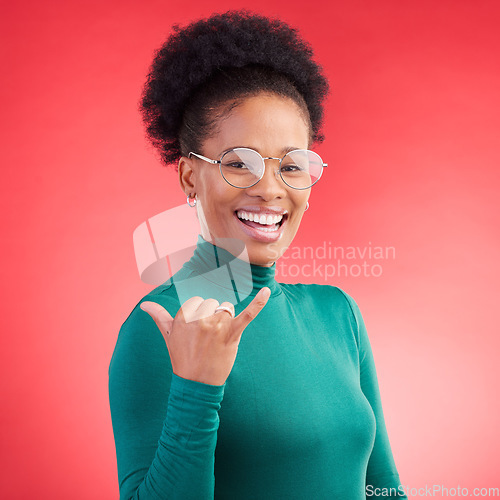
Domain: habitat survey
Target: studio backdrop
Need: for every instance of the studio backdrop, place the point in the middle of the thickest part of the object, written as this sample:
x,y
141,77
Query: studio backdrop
x,y
405,220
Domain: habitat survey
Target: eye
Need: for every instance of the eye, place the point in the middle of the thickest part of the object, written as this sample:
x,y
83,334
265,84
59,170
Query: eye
x,y
291,167
235,164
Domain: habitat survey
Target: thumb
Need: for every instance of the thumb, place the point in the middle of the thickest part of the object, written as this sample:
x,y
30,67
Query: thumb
x,y
160,316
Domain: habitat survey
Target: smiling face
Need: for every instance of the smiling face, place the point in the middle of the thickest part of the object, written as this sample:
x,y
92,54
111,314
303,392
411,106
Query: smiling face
x,y
271,125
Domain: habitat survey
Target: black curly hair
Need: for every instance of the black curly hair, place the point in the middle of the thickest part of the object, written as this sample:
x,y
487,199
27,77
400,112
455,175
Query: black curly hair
x,y
208,67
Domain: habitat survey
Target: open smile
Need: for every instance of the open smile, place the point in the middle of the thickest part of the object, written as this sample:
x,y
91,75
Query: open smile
x,y
266,227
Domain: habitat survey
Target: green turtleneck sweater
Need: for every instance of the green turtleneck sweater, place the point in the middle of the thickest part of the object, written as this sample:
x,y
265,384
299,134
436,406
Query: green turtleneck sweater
x,y
299,416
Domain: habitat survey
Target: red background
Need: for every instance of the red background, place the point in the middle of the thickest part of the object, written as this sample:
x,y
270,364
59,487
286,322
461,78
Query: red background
x,y
412,127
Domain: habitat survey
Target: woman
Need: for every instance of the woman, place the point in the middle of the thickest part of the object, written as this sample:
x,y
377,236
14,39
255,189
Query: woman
x,y
235,386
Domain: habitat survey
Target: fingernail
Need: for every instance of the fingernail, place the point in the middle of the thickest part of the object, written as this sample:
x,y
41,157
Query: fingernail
x,y
144,307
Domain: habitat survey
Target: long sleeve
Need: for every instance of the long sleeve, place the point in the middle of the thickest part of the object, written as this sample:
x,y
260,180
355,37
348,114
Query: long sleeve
x,y
301,417
382,478
165,426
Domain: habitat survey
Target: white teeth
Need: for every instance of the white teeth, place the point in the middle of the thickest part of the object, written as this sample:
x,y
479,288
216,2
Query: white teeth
x,y
268,220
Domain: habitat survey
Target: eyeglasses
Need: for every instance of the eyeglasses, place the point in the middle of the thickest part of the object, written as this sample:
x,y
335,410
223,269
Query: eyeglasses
x,y
244,167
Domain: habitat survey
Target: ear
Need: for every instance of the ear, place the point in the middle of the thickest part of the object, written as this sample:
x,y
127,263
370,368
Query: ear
x,y
187,175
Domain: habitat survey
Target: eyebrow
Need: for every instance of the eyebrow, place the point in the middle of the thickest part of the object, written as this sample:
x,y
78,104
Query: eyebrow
x,y
284,151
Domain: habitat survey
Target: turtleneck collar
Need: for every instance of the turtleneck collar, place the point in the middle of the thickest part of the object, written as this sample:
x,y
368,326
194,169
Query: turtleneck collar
x,y
218,266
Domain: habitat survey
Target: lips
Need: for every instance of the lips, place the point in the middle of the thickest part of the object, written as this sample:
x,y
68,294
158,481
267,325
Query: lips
x,y
262,232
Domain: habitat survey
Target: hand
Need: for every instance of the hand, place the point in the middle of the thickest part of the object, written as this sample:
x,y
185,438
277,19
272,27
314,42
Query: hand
x,y
202,343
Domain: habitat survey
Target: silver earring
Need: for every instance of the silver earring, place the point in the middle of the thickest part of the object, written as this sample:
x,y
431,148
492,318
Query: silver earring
x,y
307,206
195,200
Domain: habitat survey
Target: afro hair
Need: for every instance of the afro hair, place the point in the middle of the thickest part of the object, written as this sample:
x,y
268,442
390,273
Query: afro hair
x,y
218,61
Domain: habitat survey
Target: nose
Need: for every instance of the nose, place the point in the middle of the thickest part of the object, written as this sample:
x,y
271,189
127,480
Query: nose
x,y
270,185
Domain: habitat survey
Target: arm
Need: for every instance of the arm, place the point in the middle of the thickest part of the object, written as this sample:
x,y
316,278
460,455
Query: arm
x,y
165,426
381,471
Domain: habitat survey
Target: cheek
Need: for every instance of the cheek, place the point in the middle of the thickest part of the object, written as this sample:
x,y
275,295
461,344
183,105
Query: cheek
x,y
299,206
296,220
299,200
212,188
218,200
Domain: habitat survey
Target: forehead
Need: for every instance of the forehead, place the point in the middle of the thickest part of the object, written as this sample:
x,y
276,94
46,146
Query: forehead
x,y
266,122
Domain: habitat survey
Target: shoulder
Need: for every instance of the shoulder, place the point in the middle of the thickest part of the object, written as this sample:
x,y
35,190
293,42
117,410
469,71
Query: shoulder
x,y
139,340
326,299
333,295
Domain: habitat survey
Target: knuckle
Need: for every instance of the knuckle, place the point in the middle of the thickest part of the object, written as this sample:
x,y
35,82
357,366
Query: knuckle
x,y
211,302
192,300
228,304
218,327
249,314
202,322
205,323
163,321
261,302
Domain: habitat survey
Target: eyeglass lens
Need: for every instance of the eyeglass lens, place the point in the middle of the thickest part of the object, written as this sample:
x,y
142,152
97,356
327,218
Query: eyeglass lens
x,y
243,167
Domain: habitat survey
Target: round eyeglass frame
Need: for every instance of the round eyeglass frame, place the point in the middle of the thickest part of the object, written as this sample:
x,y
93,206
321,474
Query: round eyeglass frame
x,y
215,162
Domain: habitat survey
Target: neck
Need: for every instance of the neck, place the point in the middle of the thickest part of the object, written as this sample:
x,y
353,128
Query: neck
x,y
230,270
235,247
